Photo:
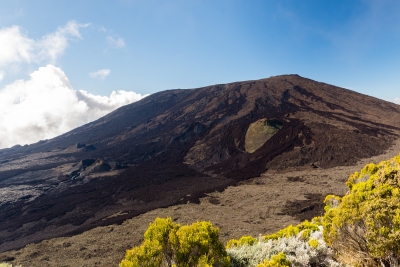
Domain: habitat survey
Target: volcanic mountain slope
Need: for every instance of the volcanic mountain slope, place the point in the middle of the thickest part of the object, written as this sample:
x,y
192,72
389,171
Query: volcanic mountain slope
x,y
173,146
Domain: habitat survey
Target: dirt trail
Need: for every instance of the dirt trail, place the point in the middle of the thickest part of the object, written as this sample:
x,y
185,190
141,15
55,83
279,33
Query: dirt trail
x,y
257,206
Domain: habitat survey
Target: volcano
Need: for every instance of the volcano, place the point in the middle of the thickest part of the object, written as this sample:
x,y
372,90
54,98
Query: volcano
x,y
174,146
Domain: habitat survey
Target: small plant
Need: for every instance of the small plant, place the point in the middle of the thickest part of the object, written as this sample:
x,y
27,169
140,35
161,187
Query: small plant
x,y
313,243
302,248
169,244
5,264
244,240
278,260
305,228
363,227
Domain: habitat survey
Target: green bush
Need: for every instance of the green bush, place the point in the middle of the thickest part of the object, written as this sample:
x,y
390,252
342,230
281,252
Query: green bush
x,y
363,227
169,244
304,229
244,240
278,260
298,251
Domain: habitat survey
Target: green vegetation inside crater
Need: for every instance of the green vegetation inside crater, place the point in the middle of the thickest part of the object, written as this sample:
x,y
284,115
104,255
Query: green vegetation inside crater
x,y
260,132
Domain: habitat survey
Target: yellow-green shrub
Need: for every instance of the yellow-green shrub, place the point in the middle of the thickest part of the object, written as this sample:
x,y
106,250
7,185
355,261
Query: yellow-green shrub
x,y
6,264
278,260
244,240
364,225
169,244
200,239
303,228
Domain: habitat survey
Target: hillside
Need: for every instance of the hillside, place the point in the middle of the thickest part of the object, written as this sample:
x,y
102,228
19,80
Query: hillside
x,y
176,145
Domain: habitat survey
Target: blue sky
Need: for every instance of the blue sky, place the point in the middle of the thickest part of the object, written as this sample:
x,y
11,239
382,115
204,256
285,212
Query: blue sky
x,y
145,46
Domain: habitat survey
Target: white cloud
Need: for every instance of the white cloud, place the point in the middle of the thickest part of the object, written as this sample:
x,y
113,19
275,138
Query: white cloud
x,y
116,42
397,100
100,74
106,104
53,45
46,105
17,47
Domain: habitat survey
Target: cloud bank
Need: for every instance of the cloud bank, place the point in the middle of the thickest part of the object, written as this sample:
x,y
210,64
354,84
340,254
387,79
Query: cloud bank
x,y
397,100
100,74
17,48
46,105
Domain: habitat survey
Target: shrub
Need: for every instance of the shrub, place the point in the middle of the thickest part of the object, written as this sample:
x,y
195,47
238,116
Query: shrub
x,y
305,228
169,244
244,240
199,240
363,227
298,250
278,260
5,264
313,243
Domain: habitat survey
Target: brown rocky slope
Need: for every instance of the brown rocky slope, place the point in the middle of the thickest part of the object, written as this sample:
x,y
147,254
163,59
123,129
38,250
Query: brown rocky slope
x,y
176,145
